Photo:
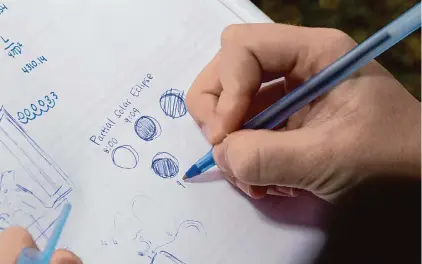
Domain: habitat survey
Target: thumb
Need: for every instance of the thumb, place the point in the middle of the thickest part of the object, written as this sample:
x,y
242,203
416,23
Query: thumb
x,y
292,158
62,256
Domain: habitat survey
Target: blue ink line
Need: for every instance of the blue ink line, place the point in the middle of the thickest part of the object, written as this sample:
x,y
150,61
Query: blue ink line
x,y
147,128
2,176
57,190
27,204
179,183
172,102
185,224
37,148
168,257
9,119
61,202
25,190
131,150
165,165
61,196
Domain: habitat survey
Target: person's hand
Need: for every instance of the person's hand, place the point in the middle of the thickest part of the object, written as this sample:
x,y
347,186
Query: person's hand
x,y
14,239
367,125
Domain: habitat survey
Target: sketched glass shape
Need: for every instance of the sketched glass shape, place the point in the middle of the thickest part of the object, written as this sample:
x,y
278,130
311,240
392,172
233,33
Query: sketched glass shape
x,y
172,102
165,165
50,184
163,257
147,128
125,157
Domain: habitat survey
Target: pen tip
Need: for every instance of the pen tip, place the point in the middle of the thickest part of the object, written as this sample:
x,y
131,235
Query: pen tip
x,y
184,177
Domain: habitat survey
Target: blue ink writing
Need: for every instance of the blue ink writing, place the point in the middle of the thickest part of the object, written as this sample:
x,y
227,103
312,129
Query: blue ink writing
x,y
109,145
181,184
165,165
125,112
172,102
33,64
136,90
125,157
38,108
3,7
13,48
147,128
122,108
105,129
132,115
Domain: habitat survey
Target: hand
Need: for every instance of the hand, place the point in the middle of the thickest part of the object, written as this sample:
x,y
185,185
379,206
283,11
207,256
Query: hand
x,y
368,125
14,239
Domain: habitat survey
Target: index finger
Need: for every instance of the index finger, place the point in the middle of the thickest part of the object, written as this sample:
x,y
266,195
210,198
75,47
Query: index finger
x,y
222,93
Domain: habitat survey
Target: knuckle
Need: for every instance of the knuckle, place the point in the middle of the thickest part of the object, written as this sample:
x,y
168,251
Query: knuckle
x,y
231,32
334,44
339,33
244,162
340,37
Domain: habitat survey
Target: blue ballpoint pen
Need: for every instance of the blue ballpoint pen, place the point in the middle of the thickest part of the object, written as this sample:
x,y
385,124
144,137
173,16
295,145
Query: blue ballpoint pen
x,y
326,79
34,256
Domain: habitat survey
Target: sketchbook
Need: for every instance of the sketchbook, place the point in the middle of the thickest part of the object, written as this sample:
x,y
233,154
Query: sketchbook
x,y
93,113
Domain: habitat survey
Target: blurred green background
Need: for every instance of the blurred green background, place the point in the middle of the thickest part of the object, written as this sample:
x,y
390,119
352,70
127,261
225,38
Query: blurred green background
x,y
360,19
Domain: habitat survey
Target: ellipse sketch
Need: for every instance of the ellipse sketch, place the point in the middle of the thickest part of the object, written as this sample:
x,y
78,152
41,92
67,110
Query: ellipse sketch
x,y
147,128
172,102
125,157
165,165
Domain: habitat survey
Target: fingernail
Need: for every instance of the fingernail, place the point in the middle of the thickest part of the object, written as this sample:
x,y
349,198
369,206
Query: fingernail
x,y
221,157
232,180
286,190
273,191
257,192
243,186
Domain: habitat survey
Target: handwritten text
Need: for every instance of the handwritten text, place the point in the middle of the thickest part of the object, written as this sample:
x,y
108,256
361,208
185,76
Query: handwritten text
x,y
33,64
38,109
123,111
3,7
12,48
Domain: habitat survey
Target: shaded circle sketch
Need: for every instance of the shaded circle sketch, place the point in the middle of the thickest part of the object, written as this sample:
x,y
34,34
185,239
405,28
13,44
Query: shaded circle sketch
x,y
172,102
125,157
147,128
165,165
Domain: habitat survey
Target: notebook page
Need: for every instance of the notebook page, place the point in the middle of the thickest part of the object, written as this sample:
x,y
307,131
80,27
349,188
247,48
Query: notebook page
x,y
246,11
93,113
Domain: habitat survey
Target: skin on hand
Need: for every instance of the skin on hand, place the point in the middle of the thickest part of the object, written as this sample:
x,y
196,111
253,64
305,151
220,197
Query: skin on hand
x,y
368,124
14,239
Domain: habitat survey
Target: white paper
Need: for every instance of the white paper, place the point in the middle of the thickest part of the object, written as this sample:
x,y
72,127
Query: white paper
x,y
114,137
246,11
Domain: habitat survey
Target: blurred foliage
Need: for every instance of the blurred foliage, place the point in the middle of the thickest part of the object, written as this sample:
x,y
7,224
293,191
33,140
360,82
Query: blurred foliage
x,y
359,19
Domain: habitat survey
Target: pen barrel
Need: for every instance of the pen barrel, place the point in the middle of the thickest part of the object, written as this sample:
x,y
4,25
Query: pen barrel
x,y
332,75
314,87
